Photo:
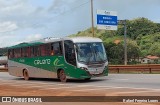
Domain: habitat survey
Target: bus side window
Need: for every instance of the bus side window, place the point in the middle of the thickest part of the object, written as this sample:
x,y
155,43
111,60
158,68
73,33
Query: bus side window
x,y
70,52
28,52
56,48
43,52
32,51
12,53
9,54
48,49
24,52
36,51
17,53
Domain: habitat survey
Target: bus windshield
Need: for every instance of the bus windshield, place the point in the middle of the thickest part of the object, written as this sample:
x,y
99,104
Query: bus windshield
x,y
91,52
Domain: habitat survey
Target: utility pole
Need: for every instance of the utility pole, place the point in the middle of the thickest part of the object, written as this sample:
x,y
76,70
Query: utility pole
x,y
123,22
125,43
92,18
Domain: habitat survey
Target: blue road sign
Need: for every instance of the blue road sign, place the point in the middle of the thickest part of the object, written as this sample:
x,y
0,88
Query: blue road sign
x,y
107,20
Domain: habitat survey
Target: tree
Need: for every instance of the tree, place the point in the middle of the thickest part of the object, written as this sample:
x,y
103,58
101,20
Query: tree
x,y
115,52
155,49
133,51
141,26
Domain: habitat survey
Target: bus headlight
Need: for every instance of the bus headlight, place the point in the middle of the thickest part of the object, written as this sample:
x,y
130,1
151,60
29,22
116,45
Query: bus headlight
x,y
84,68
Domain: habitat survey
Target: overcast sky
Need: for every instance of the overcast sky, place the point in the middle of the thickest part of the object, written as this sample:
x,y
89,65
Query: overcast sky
x,y
26,20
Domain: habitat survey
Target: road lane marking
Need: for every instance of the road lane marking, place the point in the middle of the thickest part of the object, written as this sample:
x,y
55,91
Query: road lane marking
x,y
119,79
138,91
47,86
27,82
72,86
90,89
55,85
31,85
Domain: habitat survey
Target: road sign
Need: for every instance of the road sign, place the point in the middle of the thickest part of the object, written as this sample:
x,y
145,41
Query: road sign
x,y
106,20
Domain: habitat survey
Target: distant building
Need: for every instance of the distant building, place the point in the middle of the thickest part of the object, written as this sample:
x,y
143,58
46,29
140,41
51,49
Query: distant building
x,y
147,60
150,59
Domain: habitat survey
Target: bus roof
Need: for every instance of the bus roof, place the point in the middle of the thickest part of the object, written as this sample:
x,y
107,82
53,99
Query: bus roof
x,y
85,39
24,45
49,40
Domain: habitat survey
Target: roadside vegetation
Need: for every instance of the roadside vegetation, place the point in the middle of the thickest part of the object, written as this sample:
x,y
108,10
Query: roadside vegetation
x,y
143,38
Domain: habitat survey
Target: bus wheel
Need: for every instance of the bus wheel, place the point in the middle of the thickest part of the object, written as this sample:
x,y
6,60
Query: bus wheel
x,y
62,76
25,75
87,79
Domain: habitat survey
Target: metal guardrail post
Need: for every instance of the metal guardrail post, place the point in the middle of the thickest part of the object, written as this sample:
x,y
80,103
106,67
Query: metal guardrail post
x,y
150,70
118,70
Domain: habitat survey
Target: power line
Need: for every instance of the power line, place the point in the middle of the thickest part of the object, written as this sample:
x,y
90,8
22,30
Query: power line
x,y
72,9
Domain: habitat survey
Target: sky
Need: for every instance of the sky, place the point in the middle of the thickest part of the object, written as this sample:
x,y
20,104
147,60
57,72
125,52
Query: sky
x,y
28,20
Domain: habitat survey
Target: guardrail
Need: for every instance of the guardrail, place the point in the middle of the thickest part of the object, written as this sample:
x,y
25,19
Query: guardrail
x,y
3,69
141,68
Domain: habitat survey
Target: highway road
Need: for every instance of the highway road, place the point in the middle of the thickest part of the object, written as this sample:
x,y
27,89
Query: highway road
x,y
148,81
116,81
112,85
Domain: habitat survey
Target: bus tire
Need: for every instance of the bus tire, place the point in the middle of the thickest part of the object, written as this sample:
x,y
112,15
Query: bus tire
x,y
26,75
62,76
87,79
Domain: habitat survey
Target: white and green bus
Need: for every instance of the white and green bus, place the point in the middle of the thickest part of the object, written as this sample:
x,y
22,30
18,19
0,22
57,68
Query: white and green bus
x,y
63,58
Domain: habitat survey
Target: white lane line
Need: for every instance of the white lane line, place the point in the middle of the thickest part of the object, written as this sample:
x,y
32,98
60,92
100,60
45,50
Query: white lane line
x,y
32,86
42,83
65,87
138,88
79,86
90,89
33,83
14,83
28,82
84,85
46,86
25,86
119,79
39,83
20,85
109,88
55,88
145,91
69,86
56,84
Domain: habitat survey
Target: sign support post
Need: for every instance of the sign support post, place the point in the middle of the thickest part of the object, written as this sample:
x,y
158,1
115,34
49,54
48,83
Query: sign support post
x,y
92,18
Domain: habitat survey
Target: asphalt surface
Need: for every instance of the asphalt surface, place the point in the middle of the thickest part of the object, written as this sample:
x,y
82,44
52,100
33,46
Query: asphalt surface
x,y
112,85
147,81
